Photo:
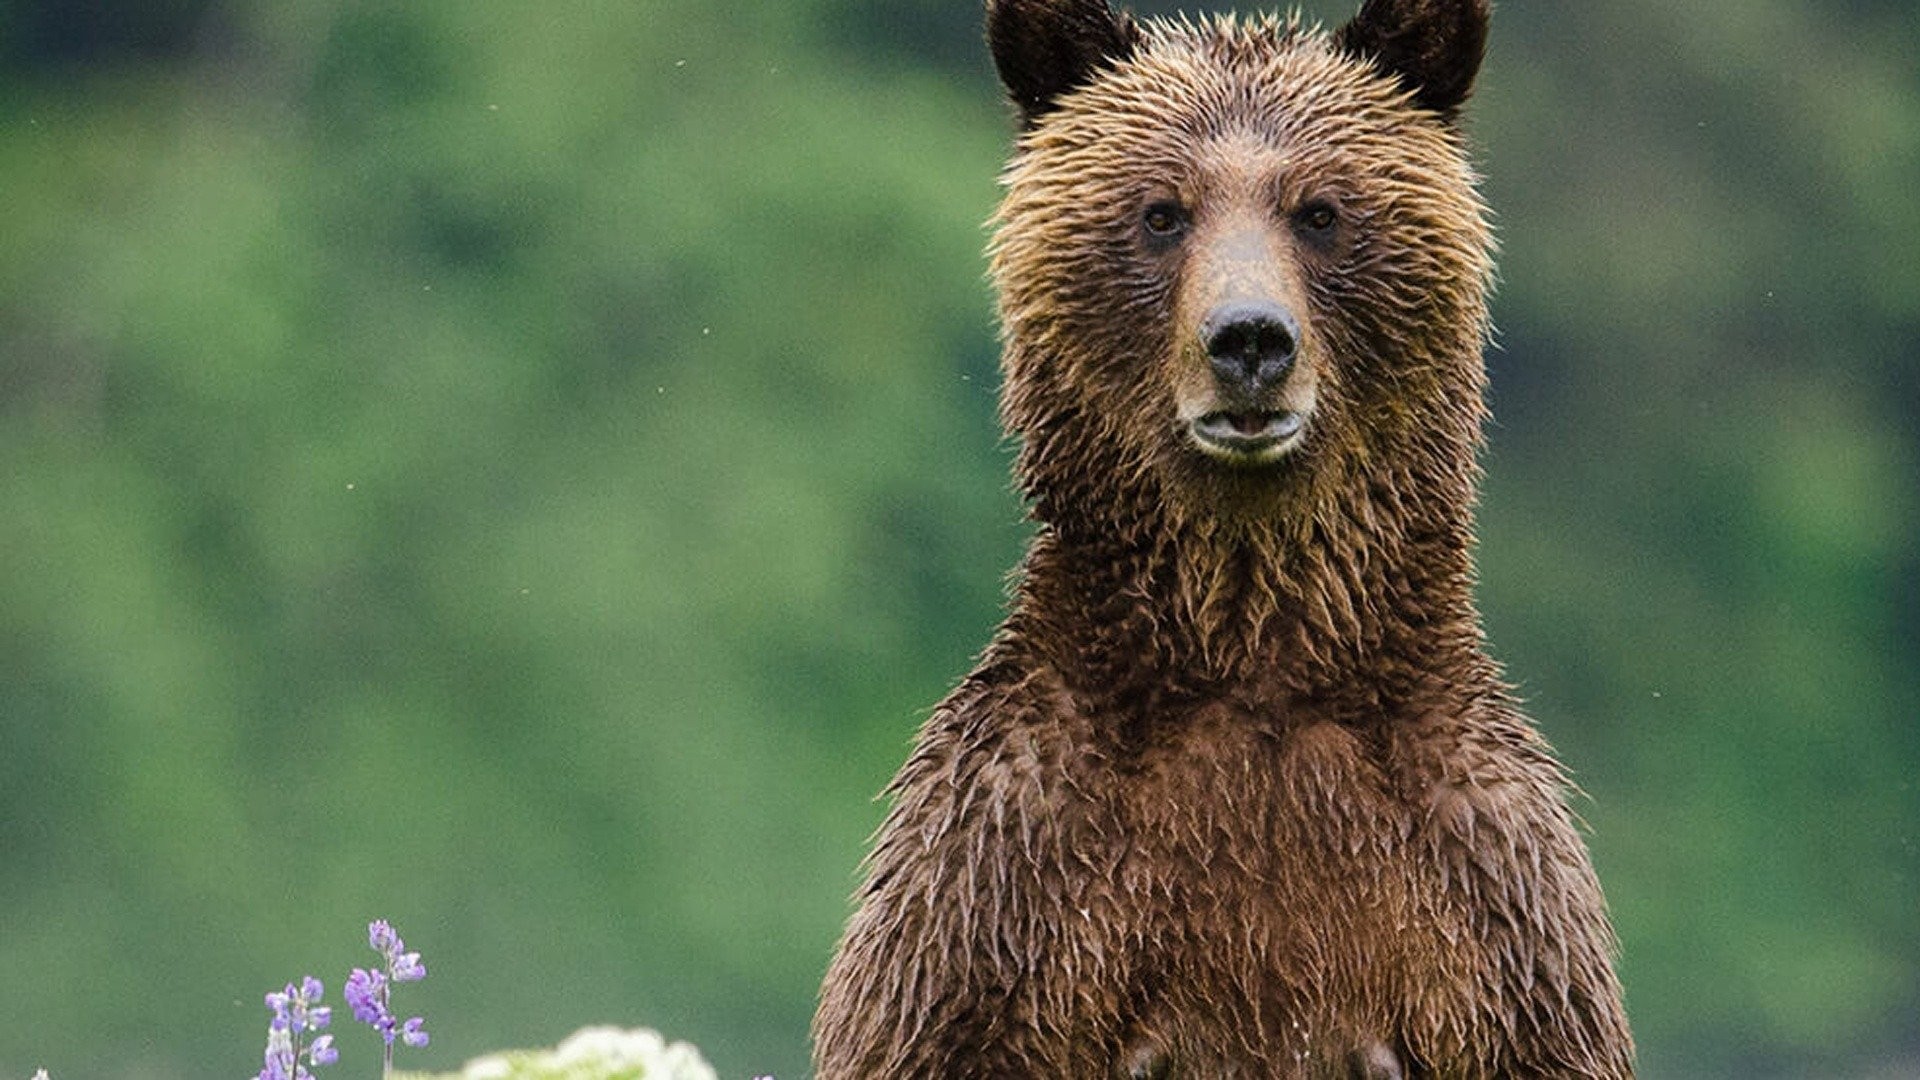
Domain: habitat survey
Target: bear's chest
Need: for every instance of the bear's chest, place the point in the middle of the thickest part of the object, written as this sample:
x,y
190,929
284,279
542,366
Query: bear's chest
x,y
1273,895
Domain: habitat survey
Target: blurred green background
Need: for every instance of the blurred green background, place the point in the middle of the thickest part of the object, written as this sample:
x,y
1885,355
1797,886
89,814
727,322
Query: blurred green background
x,y
523,471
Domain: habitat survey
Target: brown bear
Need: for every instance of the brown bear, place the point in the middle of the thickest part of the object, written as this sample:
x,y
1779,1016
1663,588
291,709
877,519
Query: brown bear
x,y
1235,791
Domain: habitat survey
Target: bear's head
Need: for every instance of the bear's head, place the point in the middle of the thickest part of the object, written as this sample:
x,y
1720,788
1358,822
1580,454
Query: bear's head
x,y
1242,265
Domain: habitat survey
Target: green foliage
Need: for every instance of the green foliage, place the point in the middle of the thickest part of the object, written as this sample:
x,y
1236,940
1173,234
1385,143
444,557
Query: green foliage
x,y
523,470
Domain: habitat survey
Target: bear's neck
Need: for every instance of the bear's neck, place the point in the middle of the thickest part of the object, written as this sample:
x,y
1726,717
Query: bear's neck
x,y
1364,603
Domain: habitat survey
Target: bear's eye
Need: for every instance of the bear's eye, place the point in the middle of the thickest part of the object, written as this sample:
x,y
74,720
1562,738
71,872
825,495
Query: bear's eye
x,y
1316,220
1164,220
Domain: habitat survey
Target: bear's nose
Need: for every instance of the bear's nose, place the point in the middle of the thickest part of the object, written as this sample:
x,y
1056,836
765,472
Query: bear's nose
x,y
1251,345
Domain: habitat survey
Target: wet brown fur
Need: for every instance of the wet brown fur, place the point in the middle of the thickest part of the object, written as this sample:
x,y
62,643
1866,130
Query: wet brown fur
x,y
1235,791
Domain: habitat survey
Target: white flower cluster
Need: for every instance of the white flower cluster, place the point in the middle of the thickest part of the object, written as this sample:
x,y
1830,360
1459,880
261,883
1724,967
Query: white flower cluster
x,y
596,1053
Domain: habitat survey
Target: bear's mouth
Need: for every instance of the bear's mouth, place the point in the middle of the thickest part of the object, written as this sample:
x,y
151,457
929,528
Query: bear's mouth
x,y
1248,437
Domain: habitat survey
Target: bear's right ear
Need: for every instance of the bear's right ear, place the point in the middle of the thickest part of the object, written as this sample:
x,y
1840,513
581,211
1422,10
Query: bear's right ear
x,y
1045,48
1433,47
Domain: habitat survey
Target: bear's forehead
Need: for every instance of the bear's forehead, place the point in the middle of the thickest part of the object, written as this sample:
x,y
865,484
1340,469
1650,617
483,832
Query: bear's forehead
x,y
1192,84
1224,106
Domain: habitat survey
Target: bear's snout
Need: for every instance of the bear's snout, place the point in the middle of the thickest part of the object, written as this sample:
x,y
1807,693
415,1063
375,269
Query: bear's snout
x,y
1251,345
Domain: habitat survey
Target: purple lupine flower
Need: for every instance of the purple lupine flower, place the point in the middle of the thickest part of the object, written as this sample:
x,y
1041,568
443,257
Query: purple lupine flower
x,y
407,968
402,966
296,1013
370,993
366,994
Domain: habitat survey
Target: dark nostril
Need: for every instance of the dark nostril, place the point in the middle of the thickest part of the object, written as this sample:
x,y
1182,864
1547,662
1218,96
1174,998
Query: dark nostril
x,y
1251,343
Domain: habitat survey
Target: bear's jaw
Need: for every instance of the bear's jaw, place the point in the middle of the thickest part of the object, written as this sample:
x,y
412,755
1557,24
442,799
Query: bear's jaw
x,y
1246,438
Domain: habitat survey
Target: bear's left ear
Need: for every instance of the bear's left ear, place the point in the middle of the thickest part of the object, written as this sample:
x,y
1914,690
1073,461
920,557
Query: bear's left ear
x,y
1433,47
1045,48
